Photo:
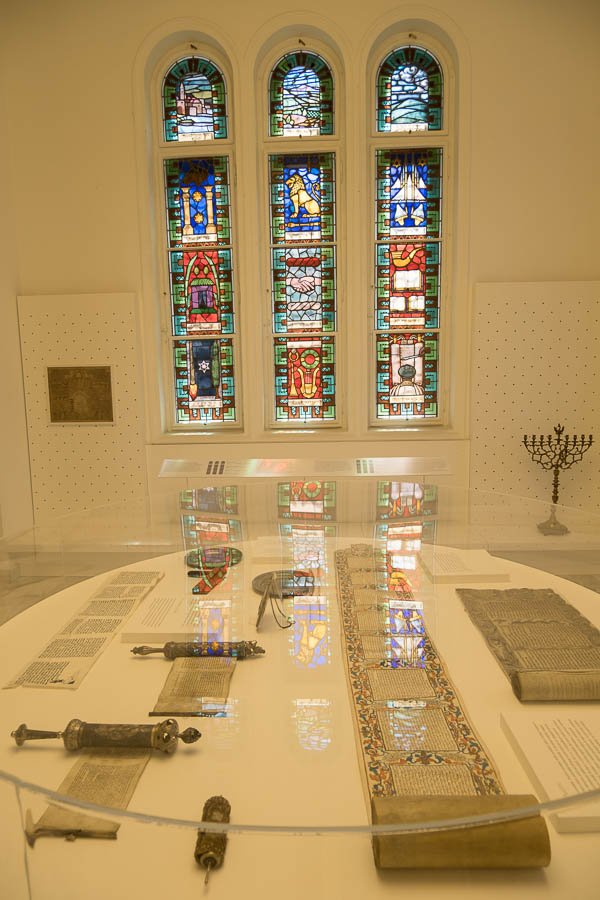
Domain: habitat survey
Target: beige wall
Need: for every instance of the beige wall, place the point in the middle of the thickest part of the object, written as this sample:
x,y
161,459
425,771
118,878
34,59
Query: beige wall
x,y
15,490
67,67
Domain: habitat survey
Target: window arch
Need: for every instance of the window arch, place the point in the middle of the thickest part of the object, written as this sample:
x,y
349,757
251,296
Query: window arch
x,y
197,241
302,241
409,236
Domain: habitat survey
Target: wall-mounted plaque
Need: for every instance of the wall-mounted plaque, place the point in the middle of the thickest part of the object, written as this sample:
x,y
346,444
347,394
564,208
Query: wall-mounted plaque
x,y
80,394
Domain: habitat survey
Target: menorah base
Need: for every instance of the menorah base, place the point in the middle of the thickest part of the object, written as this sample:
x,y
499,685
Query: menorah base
x,y
552,525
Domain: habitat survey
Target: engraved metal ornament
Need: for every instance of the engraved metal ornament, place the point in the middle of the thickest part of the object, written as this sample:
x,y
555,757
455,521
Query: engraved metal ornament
x,y
284,582
557,452
211,845
177,649
163,736
80,394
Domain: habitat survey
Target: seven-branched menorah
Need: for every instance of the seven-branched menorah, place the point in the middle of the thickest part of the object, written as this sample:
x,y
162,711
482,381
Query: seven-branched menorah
x,y
556,452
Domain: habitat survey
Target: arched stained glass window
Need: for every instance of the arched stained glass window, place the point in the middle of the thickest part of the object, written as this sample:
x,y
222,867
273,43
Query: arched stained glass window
x,y
301,96
302,200
198,247
302,190
408,251
194,101
409,91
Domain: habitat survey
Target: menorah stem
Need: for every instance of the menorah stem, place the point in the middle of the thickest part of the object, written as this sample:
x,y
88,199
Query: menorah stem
x,y
555,484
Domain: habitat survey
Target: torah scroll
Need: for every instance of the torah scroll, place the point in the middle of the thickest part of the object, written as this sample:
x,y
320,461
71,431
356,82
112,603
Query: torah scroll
x,y
510,843
548,650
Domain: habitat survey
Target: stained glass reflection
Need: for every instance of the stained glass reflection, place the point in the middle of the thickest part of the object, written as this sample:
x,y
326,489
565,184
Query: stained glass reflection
x,y
313,723
307,500
407,634
211,499
306,505
311,647
209,620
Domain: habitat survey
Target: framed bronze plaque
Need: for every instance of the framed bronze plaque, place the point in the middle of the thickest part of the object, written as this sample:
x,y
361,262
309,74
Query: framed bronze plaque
x,y
80,394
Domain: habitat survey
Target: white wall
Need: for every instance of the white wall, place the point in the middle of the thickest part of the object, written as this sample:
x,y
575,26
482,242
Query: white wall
x,y
15,490
531,190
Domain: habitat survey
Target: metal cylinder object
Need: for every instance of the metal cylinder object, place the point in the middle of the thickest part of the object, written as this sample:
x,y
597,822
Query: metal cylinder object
x,y
177,649
163,736
210,845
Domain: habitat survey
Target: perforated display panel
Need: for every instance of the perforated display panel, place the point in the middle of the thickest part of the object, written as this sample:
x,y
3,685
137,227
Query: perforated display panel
x,y
78,465
535,364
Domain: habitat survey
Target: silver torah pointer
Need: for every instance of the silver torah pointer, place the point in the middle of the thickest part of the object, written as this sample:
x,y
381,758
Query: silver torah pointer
x,y
163,736
173,649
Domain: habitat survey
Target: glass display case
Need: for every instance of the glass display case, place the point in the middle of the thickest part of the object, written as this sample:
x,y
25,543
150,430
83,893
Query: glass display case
x,y
365,658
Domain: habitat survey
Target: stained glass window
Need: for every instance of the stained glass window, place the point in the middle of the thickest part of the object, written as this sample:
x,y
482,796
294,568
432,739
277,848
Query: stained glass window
x,y
194,101
201,288
301,96
302,194
409,91
408,231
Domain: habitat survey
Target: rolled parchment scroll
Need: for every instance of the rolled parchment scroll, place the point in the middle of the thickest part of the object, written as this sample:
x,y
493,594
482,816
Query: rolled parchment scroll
x,y
555,686
515,843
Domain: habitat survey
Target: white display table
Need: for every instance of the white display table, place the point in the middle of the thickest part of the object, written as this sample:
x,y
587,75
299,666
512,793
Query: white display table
x,y
285,754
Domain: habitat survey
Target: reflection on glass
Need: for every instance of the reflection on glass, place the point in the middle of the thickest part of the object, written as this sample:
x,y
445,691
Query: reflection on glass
x,y
307,500
211,499
405,513
403,499
209,622
311,645
224,734
313,723
407,634
307,546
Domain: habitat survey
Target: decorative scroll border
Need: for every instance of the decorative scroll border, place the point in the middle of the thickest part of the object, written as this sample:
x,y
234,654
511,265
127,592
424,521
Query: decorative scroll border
x,y
378,760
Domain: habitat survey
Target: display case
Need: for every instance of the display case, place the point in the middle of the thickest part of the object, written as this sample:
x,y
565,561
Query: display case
x,y
382,742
